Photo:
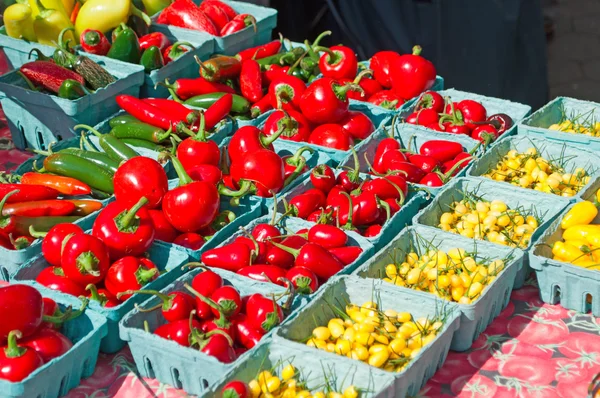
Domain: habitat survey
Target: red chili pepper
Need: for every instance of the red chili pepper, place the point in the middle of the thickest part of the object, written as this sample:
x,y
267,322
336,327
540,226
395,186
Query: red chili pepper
x,y
174,306
75,12
27,192
295,164
205,172
485,133
246,334
430,100
240,22
260,52
370,88
322,178
358,125
386,145
217,111
226,8
163,230
84,259
220,68
174,108
236,388
281,258
262,106
149,114
264,273
260,171
286,91
457,164
263,313
179,331
175,51
39,208
188,88
54,278
205,283
304,280
327,236
26,317
264,232
304,204
331,135
156,39
411,74
381,64
191,206
426,163
54,239
348,180
259,248
231,257
228,299
251,81
48,344
17,361
140,177
314,257
292,124
249,139
64,185
219,346
190,240
325,101
441,150
49,75
472,112
273,71
372,231
125,230
215,13
346,255
186,14
94,42
412,173
365,209
423,117
338,62
198,150
386,99
129,273
102,296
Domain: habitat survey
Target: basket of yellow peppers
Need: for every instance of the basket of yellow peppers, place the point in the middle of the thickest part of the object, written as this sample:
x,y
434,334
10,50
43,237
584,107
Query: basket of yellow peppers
x,y
566,257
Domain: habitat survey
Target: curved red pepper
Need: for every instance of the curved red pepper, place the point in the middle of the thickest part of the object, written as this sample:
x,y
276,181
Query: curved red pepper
x,y
231,257
325,100
188,88
305,204
262,106
441,150
260,52
186,14
246,334
27,192
314,257
251,81
281,258
129,273
412,173
264,273
205,283
150,114
219,68
423,117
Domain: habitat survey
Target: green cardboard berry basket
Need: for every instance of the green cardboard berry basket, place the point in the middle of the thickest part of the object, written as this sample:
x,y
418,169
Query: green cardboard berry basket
x,y
17,50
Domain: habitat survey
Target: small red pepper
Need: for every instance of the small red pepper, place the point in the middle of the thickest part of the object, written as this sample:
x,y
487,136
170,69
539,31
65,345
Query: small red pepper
x,y
64,185
84,259
249,139
427,163
179,331
314,257
237,389
246,334
190,240
260,52
216,14
140,177
338,62
261,171
26,317
251,81
54,278
331,135
263,313
430,100
17,362
411,74
175,51
327,236
54,239
325,100
441,150
205,172
94,42
264,273
240,22
154,39
306,203
163,230
322,178
27,192
129,273
39,208
262,106
205,283
304,280
218,111
48,343
286,91
197,150
174,108
152,115
102,296
381,64
294,125
386,99
226,8
231,257
188,88
358,125
220,68
347,254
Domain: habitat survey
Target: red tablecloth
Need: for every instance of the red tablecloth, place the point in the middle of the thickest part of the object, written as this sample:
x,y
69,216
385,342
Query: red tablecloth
x,y
532,350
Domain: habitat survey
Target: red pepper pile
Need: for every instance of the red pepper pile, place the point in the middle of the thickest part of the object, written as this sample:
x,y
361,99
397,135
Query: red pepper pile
x,y
34,206
215,318
213,17
373,202
436,162
467,117
30,331
307,258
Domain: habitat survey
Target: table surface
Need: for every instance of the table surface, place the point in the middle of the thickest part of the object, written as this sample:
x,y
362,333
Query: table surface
x,y
532,350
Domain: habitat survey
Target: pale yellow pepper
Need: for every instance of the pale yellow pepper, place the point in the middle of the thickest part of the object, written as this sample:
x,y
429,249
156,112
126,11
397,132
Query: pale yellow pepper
x,y
581,213
105,15
18,21
48,25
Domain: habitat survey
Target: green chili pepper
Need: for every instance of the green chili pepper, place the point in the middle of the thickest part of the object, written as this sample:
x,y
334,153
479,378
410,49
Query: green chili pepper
x,y
309,65
125,46
144,144
111,144
301,74
139,26
240,104
141,131
68,165
72,90
100,159
123,119
286,58
152,59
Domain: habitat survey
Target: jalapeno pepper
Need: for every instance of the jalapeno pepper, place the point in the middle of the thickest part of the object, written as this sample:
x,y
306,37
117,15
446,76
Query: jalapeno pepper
x,y
286,58
64,185
111,145
140,131
239,104
125,46
85,207
122,119
82,169
152,59
100,159
72,90
219,68
137,142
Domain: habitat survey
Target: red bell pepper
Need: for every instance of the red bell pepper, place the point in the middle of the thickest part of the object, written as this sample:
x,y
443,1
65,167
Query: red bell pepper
x,y
260,52
411,74
338,62
94,42
186,14
154,39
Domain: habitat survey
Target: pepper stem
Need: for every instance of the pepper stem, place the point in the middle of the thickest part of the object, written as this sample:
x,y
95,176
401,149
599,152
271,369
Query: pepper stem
x,y
363,73
87,264
61,36
138,13
348,224
12,349
245,187
124,222
167,300
321,37
353,175
267,140
175,48
334,58
293,252
94,295
89,129
297,157
416,50
36,234
40,56
184,177
221,321
144,275
341,90
3,202
296,173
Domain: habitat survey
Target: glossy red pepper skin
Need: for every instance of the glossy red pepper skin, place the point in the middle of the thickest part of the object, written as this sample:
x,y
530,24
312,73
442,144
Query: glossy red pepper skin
x,y
27,192
264,273
331,135
157,39
235,388
347,254
472,111
325,100
205,172
412,74
370,88
94,42
217,111
25,317
286,92
262,167
381,65
147,113
423,117
462,159
17,361
304,280
197,151
219,346
163,230
372,231
140,177
386,99
192,206
384,188
129,273
431,100
485,133
343,64
259,248
178,331
84,259
188,88
258,313
262,106
125,230
413,173
432,180
251,81
441,150
281,258
228,299
246,334
190,240
248,139
317,259
426,163
48,344
264,232
231,257
186,14
294,125
358,125
216,14
501,121
55,279
260,52
327,236
53,242
205,283
173,108
226,8
322,178
240,22
65,185
386,145
365,209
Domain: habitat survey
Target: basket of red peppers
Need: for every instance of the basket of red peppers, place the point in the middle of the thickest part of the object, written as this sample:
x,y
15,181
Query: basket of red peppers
x,y
484,119
207,319
49,341
162,55
234,25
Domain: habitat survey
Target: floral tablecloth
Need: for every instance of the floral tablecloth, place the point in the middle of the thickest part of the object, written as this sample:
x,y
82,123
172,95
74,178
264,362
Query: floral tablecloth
x,y
532,350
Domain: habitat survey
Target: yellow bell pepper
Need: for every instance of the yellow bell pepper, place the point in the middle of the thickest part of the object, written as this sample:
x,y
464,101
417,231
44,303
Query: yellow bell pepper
x,y
579,232
68,5
48,25
581,213
105,15
18,21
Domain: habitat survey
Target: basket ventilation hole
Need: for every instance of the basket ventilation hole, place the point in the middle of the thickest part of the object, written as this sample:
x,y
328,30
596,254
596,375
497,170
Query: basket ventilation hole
x,y
3,273
22,130
176,380
86,366
555,294
59,137
41,140
39,396
64,386
149,369
204,383
588,302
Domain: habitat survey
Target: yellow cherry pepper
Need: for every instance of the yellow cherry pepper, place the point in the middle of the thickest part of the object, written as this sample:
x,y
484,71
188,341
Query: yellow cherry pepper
x,y
581,213
18,21
105,15
48,25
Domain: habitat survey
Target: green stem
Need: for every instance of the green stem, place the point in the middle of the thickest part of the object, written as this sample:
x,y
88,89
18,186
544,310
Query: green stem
x,y
130,216
293,252
89,129
245,188
184,177
3,202
341,90
222,319
12,349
